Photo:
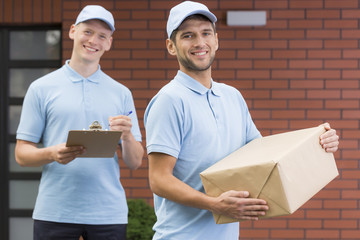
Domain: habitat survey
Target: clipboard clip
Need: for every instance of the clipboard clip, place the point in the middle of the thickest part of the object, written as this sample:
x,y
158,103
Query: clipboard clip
x,y
95,126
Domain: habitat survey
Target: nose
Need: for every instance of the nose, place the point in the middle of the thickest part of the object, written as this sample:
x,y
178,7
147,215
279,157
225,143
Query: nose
x,y
200,41
92,39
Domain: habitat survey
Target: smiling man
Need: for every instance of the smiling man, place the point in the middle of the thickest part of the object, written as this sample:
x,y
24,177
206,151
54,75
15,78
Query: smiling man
x,y
79,196
192,123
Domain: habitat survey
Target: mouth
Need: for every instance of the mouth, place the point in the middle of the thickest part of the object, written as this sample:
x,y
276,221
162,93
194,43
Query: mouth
x,y
199,53
91,49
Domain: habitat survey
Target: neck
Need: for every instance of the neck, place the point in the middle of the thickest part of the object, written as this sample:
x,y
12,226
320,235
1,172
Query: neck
x,y
203,77
84,68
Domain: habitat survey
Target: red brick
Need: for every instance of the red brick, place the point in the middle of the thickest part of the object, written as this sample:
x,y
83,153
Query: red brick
x,y
323,34
252,74
353,53
350,174
270,104
321,214
350,234
274,84
305,24
343,64
131,5
288,114
238,44
341,104
309,84
341,4
350,13
340,44
254,233
322,14
307,64
343,24
270,44
354,94
288,234
323,74
271,4
288,74
305,104
288,94
253,54
329,94
323,114
352,214
252,34
324,54
233,4
292,54
306,44
306,224
235,64
287,14
287,34
131,24
322,234
270,64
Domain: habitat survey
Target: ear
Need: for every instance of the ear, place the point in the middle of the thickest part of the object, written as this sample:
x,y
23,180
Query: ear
x,y
217,42
72,32
109,44
170,45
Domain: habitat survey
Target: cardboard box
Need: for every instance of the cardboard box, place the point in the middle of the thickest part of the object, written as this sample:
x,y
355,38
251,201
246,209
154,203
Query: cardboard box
x,y
284,169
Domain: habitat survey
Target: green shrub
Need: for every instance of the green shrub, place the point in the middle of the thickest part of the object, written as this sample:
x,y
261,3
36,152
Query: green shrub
x,y
141,220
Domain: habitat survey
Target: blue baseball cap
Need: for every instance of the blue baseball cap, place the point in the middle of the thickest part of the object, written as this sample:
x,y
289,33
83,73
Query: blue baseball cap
x,y
96,12
185,9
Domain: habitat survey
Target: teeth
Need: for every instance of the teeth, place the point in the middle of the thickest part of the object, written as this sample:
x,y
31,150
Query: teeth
x,y
91,49
200,53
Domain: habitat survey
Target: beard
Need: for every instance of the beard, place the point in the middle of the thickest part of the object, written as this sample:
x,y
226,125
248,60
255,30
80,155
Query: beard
x,y
191,66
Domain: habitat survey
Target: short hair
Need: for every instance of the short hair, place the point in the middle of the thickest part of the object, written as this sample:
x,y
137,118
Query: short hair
x,y
196,17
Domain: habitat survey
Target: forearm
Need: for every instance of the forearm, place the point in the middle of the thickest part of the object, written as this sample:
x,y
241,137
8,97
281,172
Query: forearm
x,y
171,188
132,152
164,184
27,154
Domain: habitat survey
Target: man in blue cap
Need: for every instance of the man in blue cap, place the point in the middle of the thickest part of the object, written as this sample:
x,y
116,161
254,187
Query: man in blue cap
x,y
192,123
79,196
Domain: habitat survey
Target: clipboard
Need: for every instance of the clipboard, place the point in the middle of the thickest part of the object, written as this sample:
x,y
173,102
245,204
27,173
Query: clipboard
x,y
97,142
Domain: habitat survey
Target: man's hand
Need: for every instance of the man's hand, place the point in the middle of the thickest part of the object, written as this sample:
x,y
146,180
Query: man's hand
x,y
121,123
329,140
237,205
64,155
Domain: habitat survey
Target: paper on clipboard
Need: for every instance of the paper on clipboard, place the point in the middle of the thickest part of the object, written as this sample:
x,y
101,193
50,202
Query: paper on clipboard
x,y
97,142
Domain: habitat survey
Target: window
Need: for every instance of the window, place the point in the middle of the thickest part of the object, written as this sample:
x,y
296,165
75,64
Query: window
x,y
26,53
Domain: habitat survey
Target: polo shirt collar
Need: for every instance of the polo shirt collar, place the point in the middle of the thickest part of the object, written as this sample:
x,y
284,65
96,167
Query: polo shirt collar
x,y
76,77
195,86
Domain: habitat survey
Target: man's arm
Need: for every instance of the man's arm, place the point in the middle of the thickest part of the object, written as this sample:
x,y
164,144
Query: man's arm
x,y
234,204
27,154
132,151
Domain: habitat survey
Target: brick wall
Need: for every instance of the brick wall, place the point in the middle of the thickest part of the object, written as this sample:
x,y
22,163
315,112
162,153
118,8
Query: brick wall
x,y
298,71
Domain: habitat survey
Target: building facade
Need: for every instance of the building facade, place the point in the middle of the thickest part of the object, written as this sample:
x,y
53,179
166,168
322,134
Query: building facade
x,y
299,70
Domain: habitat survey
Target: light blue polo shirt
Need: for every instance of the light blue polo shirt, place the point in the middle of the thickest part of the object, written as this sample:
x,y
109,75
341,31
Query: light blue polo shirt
x,y
87,190
198,126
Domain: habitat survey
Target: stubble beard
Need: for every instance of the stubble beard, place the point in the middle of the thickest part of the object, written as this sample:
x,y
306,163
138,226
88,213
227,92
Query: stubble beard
x,y
191,66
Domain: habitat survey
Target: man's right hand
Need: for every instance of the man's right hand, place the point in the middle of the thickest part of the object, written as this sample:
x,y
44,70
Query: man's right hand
x,y
237,205
64,155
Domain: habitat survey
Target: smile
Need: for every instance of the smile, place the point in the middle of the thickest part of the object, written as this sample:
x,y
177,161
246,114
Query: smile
x,y
200,53
91,49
